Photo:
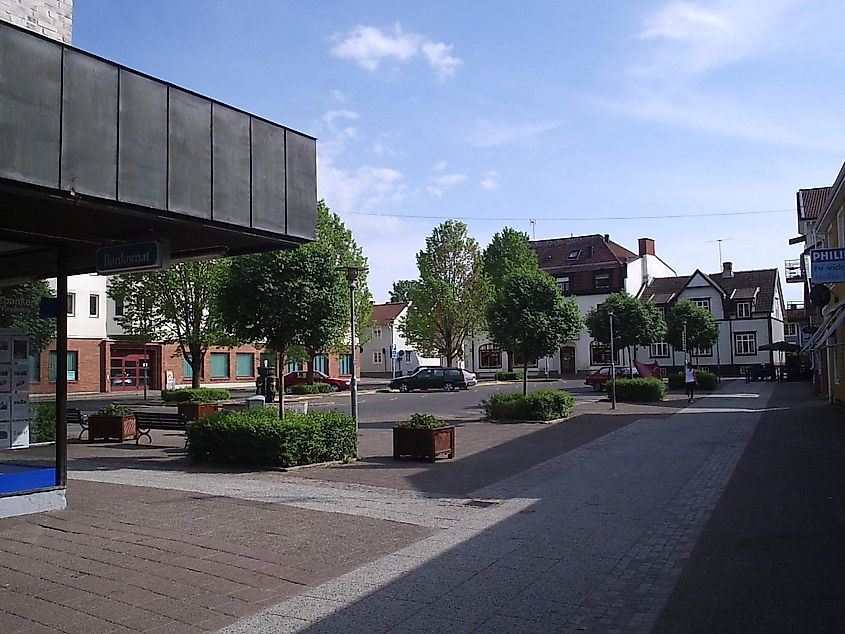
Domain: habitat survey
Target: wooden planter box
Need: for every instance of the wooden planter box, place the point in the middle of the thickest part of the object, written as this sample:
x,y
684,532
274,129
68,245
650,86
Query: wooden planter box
x,y
424,444
197,411
105,427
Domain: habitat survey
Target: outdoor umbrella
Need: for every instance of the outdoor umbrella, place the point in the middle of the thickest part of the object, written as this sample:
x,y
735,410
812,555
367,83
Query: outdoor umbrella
x,y
780,346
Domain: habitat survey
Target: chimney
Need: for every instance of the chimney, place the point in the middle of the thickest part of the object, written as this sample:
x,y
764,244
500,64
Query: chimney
x,y
728,269
607,237
646,246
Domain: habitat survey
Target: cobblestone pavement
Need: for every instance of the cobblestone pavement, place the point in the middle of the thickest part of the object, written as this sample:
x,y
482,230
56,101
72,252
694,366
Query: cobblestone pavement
x,y
604,523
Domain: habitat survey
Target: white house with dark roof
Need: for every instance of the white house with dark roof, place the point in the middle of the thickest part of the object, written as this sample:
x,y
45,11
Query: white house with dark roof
x,y
376,357
748,308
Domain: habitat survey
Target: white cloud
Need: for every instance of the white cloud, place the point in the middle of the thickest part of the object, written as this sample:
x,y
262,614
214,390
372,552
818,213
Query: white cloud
x,y
331,115
369,46
436,191
495,133
440,166
449,180
338,95
489,181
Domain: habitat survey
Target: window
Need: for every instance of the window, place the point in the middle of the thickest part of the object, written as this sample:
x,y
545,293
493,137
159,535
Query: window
x,y
743,310
745,343
186,369
71,304
660,349
376,332
34,368
93,305
702,303
599,353
519,361
244,364
293,366
574,254
563,283
703,352
118,308
219,365
321,363
71,365
489,356
377,356
790,330
346,363
601,279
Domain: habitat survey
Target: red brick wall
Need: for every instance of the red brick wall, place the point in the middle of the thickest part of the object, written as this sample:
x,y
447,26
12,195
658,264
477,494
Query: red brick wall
x,y
90,370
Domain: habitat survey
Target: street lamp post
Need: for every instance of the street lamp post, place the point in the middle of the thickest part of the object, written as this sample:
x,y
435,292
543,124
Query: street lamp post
x,y
686,352
352,273
612,361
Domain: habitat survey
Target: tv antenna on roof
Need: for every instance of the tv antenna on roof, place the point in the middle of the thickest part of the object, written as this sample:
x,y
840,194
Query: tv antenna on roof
x,y
533,229
719,241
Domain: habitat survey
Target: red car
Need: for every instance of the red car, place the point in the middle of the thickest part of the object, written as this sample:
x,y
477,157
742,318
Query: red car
x,y
600,377
297,378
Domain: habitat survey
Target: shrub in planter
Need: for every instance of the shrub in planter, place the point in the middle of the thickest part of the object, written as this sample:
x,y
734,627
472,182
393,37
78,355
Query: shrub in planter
x,y
111,421
422,421
257,437
315,388
509,376
42,427
423,436
643,390
538,405
195,395
706,380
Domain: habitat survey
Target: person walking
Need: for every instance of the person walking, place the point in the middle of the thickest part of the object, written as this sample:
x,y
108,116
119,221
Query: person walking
x,y
690,381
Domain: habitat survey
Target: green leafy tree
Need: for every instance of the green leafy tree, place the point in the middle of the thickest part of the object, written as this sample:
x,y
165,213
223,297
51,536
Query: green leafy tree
x,y
176,306
19,309
635,322
701,328
509,252
447,303
529,315
401,291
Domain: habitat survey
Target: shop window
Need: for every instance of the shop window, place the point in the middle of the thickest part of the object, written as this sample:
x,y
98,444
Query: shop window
x,y
489,357
346,364
519,362
72,358
599,353
244,364
219,362
321,363
186,369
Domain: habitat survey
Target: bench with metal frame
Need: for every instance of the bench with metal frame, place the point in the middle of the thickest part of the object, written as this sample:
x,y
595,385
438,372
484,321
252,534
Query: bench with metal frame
x,y
74,415
146,421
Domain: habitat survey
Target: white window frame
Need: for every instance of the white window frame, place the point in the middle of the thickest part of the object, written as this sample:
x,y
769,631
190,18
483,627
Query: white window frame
x,y
703,352
703,302
743,310
377,356
790,330
745,343
71,302
93,302
377,332
601,275
564,284
659,350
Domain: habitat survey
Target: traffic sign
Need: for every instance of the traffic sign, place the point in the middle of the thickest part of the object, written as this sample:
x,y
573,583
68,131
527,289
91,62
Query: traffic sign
x,y
393,354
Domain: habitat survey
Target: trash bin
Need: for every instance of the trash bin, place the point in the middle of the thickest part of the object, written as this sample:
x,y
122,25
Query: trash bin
x,y
254,401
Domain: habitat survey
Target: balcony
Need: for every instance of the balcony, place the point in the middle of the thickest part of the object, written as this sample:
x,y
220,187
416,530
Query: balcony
x,y
794,271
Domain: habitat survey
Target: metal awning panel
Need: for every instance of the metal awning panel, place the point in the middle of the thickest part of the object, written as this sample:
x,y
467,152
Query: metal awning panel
x,y
825,331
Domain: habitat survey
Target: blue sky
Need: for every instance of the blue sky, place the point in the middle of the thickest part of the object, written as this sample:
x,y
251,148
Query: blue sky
x,y
635,119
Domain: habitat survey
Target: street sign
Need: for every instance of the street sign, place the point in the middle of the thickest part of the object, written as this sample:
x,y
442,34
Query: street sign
x,y
393,354
133,257
827,266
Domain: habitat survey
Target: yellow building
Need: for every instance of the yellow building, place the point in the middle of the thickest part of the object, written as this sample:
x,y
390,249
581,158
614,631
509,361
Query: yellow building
x,y
827,277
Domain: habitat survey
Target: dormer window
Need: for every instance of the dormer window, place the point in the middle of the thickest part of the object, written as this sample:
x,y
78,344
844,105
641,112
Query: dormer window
x,y
574,254
743,310
601,279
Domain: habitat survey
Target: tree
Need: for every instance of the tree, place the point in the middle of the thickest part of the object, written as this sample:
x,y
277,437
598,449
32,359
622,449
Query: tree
x,y
509,252
401,291
635,322
447,303
529,315
19,309
175,305
701,328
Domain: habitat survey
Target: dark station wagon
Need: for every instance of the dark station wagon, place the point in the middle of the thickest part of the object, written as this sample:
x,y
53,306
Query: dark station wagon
x,y
428,378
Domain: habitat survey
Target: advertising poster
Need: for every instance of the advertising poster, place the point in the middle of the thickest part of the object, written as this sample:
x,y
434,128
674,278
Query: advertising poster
x,y
5,378
5,408
5,349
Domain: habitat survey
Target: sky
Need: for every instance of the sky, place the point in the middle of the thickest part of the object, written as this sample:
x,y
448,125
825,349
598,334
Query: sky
x,y
692,123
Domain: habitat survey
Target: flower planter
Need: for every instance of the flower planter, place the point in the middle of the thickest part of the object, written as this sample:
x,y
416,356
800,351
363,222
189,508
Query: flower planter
x,y
424,444
197,411
106,427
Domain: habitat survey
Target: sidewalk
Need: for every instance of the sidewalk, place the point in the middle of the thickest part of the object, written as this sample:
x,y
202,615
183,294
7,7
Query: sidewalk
x,y
652,517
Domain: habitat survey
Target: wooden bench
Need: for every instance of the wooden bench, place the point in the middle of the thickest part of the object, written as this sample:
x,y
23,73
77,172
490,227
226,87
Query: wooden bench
x,y
146,420
74,415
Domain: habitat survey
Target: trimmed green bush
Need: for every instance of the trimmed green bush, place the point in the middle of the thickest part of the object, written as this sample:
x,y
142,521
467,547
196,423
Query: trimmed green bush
x,y
114,409
315,388
422,421
642,390
509,376
195,395
537,405
706,380
42,427
257,437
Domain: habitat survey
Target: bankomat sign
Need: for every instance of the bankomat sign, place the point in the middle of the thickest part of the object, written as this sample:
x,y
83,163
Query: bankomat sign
x,y
134,257
827,266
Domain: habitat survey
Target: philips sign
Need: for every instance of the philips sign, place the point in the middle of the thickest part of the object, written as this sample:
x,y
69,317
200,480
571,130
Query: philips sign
x,y
132,258
827,266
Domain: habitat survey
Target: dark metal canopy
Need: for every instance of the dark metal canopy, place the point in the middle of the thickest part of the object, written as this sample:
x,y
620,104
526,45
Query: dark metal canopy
x,y
94,154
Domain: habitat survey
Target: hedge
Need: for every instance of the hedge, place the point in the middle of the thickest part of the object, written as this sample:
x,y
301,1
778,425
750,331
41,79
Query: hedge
x,y
196,395
315,388
706,380
422,421
503,375
42,428
642,390
257,437
537,405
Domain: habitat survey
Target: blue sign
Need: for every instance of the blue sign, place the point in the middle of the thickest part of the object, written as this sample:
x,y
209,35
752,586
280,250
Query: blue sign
x,y
134,257
827,266
393,354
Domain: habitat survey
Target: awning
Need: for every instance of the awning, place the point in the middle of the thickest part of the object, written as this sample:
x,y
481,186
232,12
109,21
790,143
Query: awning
x,y
826,330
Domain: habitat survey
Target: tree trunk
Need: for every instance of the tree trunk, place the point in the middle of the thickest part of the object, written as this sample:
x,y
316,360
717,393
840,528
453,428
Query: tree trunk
x,y
195,351
309,368
525,375
510,360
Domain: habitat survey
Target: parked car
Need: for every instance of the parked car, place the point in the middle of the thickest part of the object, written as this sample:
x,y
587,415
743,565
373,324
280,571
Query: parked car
x,y
300,377
428,378
600,377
